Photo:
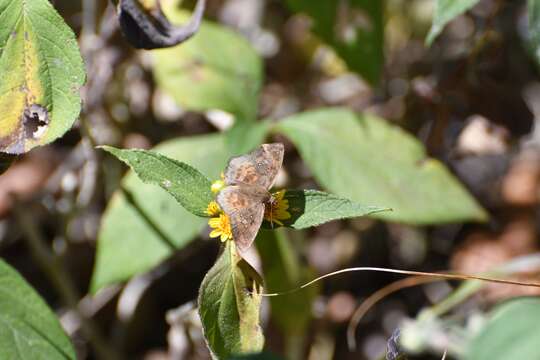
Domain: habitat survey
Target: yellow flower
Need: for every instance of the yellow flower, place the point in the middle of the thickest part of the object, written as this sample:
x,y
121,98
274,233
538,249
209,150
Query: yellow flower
x,y
277,209
221,227
213,209
217,186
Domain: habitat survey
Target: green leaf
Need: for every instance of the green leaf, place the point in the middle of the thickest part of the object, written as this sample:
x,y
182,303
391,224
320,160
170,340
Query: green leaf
x,y
143,224
188,186
283,272
363,158
42,72
246,136
216,69
513,332
354,29
446,11
229,305
28,328
310,208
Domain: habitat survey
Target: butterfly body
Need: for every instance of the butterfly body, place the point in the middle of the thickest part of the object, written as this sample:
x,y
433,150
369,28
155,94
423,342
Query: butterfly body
x,y
248,179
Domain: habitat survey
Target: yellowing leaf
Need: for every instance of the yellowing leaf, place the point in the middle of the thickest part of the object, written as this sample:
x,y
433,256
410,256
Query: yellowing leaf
x,y
42,72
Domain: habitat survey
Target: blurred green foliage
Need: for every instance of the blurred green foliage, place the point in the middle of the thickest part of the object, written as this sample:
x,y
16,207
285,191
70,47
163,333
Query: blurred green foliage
x,y
30,330
354,29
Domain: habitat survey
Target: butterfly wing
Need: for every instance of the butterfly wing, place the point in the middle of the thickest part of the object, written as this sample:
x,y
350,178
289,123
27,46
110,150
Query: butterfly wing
x,y
245,208
258,168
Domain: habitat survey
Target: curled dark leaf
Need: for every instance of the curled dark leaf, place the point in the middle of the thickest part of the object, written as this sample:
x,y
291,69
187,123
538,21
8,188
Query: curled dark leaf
x,y
154,31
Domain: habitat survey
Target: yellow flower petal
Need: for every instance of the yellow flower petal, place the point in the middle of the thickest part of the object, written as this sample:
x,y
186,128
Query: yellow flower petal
x,y
213,209
214,222
221,227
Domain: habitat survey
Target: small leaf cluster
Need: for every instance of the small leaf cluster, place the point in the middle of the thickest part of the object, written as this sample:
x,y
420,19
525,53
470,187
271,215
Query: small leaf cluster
x,y
229,313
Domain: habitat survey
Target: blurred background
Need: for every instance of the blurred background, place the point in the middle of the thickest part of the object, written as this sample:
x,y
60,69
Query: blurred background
x,y
472,99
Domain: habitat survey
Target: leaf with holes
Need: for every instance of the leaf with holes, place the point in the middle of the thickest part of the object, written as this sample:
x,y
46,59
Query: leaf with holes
x,y
42,72
28,328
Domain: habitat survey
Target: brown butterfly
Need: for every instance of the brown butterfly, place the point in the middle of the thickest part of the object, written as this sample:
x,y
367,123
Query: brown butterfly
x,y
248,179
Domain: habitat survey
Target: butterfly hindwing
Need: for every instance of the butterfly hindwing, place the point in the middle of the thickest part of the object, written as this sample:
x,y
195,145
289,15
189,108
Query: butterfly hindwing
x,y
258,168
244,206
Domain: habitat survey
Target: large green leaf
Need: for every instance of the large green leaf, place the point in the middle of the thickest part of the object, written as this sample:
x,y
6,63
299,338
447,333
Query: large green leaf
x,y
216,69
363,158
229,305
28,328
283,271
446,11
513,332
143,224
42,72
353,28
186,184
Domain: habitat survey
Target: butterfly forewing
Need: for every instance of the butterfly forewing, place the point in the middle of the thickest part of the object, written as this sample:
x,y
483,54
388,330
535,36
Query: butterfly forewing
x,y
244,205
258,168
